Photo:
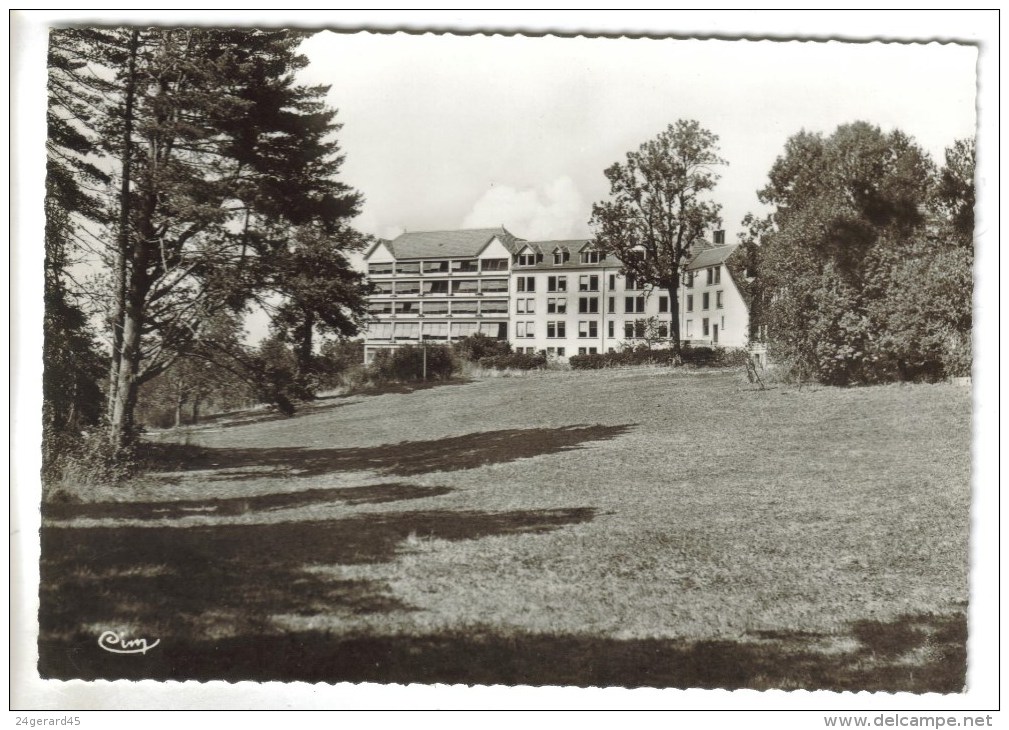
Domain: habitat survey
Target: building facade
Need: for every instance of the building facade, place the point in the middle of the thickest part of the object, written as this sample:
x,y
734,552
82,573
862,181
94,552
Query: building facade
x,y
563,298
712,309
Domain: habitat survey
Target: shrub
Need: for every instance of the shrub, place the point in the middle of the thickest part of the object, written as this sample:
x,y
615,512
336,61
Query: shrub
x,y
407,364
335,358
83,460
514,361
476,347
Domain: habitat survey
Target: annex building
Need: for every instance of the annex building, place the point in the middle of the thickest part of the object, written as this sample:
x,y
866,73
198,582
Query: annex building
x,y
561,297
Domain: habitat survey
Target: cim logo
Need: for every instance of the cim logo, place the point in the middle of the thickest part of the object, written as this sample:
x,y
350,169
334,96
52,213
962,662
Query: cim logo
x,y
117,644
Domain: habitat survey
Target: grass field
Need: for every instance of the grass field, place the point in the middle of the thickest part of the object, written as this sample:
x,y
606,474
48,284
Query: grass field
x,y
633,528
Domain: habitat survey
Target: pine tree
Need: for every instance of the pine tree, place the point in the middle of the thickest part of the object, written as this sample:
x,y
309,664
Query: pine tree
x,y
218,154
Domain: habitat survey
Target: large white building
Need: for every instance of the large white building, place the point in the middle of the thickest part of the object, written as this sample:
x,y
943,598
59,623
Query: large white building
x,y
560,297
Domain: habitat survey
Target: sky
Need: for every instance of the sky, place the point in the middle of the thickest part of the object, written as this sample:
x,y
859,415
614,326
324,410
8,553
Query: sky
x,y
444,132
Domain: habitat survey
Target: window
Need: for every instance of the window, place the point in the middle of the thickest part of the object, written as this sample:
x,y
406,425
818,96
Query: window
x,y
588,282
560,352
526,283
635,329
496,330
494,286
556,329
613,281
610,328
588,329
379,307
406,330
436,287
723,324
551,351
632,283
464,307
718,299
409,268
688,279
663,304
560,256
406,307
690,302
525,329
465,286
527,259
582,350
434,330
525,306
557,305
496,306
705,331
588,305
611,305
436,267
380,331
591,257
718,274
634,304
494,265
662,329
689,328
711,275
705,300
557,283
465,329
469,266
381,287
374,269
435,308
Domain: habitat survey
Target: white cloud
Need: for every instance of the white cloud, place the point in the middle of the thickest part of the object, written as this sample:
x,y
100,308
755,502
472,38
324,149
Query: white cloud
x,y
553,211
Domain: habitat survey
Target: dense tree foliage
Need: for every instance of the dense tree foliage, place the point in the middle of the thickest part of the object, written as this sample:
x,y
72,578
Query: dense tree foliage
x,y
72,363
224,191
865,263
658,208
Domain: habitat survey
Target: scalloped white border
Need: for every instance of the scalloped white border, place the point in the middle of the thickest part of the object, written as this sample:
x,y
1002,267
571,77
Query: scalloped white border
x,y
28,126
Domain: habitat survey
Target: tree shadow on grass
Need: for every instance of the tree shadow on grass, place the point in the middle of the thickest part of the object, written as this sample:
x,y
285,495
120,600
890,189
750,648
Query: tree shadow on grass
x,y
230,579
230,419
408,458
520,658
370,494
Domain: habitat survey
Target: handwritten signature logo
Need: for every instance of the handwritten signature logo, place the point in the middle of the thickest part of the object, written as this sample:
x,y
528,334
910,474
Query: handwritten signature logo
x,y
112,641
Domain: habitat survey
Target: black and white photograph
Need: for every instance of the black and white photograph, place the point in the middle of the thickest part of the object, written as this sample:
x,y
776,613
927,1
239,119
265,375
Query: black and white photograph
x,y
374,357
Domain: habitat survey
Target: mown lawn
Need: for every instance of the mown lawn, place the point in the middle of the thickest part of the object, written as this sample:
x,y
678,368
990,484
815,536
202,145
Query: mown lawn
x,y
634,528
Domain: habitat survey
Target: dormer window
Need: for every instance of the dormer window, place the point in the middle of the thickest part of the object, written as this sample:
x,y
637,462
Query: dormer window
x,y
560,256
591,257
527,259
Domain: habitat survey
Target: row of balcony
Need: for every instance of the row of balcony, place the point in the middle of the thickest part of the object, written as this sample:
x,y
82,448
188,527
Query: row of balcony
x,y
460,292
440,268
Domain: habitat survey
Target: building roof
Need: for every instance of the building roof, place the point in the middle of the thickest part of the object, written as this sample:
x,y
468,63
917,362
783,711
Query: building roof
x,y
448,244
573,247
711,256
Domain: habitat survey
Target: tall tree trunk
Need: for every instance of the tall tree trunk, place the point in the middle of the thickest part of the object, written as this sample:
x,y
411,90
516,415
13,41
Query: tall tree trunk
x,y
196,410
303,352
123,234
674,312
180,398
129,363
